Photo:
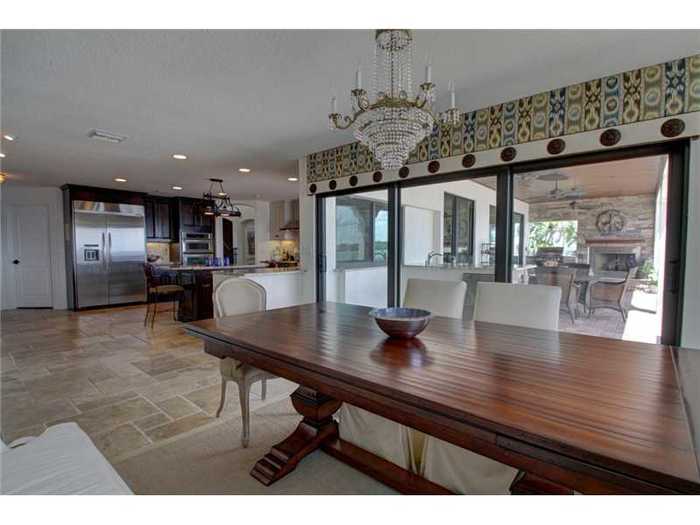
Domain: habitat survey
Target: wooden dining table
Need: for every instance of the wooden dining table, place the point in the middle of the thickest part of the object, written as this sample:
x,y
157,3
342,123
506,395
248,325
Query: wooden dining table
x,y
571,412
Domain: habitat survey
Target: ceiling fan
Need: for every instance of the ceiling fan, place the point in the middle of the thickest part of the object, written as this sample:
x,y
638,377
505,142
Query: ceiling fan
x,y
557,193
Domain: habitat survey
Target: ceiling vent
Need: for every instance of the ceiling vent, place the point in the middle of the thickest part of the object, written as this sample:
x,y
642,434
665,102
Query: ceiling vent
x,y
100,134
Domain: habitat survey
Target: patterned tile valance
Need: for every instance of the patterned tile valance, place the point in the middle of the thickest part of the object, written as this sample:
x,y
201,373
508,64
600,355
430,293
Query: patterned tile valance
x,y
652,92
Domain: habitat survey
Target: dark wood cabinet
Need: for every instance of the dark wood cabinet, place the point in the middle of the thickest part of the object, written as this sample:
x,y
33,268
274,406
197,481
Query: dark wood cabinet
x,y
159,225
197,300
191,215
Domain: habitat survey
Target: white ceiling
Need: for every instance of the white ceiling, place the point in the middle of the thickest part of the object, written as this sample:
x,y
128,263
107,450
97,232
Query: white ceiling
x,y
255,99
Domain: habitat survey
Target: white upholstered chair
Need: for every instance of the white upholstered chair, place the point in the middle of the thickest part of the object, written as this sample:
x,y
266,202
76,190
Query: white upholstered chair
x,y
236,297
385,438
461,470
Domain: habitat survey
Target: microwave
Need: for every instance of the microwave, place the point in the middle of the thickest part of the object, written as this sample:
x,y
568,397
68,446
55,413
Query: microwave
x,y
197,243
196,260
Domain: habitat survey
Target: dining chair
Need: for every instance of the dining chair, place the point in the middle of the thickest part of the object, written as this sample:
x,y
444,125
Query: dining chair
x,y
564,278
238,296
464,471
390,440
610,294
158,288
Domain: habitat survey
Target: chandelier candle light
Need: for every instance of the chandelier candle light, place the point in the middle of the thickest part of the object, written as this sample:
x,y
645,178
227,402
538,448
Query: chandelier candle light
x,y
393,125
221,203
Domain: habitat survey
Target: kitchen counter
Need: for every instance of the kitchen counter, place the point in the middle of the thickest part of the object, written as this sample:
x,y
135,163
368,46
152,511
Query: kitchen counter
x,y
210,268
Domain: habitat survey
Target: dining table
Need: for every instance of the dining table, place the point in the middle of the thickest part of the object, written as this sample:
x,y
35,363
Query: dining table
x,y
574,413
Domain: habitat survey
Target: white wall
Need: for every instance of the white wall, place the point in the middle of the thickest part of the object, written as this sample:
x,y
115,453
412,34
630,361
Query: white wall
x,y
691,308
51,197
261,213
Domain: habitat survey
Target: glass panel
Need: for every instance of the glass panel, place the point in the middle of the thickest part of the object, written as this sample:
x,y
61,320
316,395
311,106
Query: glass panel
x,y
357,235
597,231
446,236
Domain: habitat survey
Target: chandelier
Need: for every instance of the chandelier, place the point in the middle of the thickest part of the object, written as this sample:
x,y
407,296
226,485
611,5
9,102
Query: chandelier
x,y
219,203
394,123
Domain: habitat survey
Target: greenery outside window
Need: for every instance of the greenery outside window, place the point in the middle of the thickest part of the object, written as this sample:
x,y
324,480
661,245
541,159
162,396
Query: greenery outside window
x,y
548,234
458,229
362,232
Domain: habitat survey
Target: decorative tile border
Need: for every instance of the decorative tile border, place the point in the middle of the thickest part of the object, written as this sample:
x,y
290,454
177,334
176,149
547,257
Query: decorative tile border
x,y
652,92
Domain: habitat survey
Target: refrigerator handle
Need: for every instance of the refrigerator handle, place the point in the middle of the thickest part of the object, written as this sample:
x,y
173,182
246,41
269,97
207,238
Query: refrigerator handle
x,y
109,246
104,252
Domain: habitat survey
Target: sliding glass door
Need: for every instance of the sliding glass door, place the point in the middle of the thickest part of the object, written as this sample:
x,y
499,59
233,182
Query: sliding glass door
x,y
446,234
356,240
600,226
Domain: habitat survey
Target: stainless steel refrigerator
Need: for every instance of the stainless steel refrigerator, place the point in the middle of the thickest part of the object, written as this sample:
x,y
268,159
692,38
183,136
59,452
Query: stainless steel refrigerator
x,y
110,250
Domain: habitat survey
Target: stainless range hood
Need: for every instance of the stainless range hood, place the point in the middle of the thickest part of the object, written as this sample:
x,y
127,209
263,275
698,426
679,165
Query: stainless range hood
x,y
292,225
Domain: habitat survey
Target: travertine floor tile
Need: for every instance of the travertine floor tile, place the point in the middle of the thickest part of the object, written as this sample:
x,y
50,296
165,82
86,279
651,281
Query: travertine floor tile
x,y
101,419
179,426
120,440
177,407
152,421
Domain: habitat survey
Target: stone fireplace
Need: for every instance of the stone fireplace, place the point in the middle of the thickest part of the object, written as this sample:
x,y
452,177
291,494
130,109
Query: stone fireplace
x,y
613,256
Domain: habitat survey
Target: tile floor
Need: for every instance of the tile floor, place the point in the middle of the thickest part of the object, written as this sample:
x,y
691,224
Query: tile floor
x,y
126,385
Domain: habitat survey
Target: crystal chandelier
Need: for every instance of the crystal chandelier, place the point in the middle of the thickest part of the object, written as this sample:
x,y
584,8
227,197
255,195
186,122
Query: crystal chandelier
x,y
393,125
221,205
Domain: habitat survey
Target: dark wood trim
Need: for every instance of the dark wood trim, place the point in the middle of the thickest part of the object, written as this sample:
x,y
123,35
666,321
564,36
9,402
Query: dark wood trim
x,y
394,247
93,193
504,227
677,210
320,218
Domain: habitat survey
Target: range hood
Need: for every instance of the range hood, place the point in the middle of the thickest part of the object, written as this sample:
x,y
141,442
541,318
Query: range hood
x,y
292,225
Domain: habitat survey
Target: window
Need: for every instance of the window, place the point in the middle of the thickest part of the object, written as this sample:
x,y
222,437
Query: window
x,y
362,231
553,234
458,232
518,237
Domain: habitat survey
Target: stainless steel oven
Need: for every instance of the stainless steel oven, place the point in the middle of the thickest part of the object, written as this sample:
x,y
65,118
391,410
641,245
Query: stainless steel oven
x,y
190,259
197,243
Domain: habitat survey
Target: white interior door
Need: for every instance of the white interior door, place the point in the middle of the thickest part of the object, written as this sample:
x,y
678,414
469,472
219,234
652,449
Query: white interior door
x,y
31,255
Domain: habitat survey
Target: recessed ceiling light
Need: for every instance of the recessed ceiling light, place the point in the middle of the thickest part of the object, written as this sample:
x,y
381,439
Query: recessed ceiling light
x,y
292,179
178,188
119,179
2,155
179,156
244,170
8,137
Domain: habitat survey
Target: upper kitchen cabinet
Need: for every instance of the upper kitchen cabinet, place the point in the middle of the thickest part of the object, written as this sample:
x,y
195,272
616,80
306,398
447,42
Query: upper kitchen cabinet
x,y
190,213
277,220
159,225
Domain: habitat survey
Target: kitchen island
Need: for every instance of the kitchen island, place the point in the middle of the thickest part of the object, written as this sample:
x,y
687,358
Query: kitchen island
x,y
283,286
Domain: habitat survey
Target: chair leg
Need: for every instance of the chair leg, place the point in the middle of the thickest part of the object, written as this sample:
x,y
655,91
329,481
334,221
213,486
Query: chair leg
x,y
148,311
624,315
243,394
155,312
173,307
263,389
223,397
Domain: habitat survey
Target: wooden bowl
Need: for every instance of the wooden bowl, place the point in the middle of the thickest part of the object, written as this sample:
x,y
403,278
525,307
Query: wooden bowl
x,y
402,323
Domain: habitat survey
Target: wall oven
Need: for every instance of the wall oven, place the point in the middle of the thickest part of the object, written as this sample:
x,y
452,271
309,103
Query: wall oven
x,y
197,243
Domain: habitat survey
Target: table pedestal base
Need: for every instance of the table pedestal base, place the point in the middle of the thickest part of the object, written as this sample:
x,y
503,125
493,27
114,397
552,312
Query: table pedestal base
x,y
316,428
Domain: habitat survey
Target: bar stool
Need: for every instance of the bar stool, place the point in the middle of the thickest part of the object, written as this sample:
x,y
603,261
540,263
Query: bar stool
x,y
157,290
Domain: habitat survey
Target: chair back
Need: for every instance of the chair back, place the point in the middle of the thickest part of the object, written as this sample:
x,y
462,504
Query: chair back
x,y
561,277
238,296
530,305
442,298
150,273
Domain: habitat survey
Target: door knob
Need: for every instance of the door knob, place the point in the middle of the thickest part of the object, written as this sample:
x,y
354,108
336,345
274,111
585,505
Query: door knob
x,y
16,261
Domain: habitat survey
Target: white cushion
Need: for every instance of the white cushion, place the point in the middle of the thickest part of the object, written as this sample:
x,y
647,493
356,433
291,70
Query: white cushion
x,y
443,298
530,305
62,460
383,437
463,471
3,447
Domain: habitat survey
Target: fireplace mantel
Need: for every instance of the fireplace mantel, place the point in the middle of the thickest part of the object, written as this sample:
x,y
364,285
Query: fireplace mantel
x,y
618,241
